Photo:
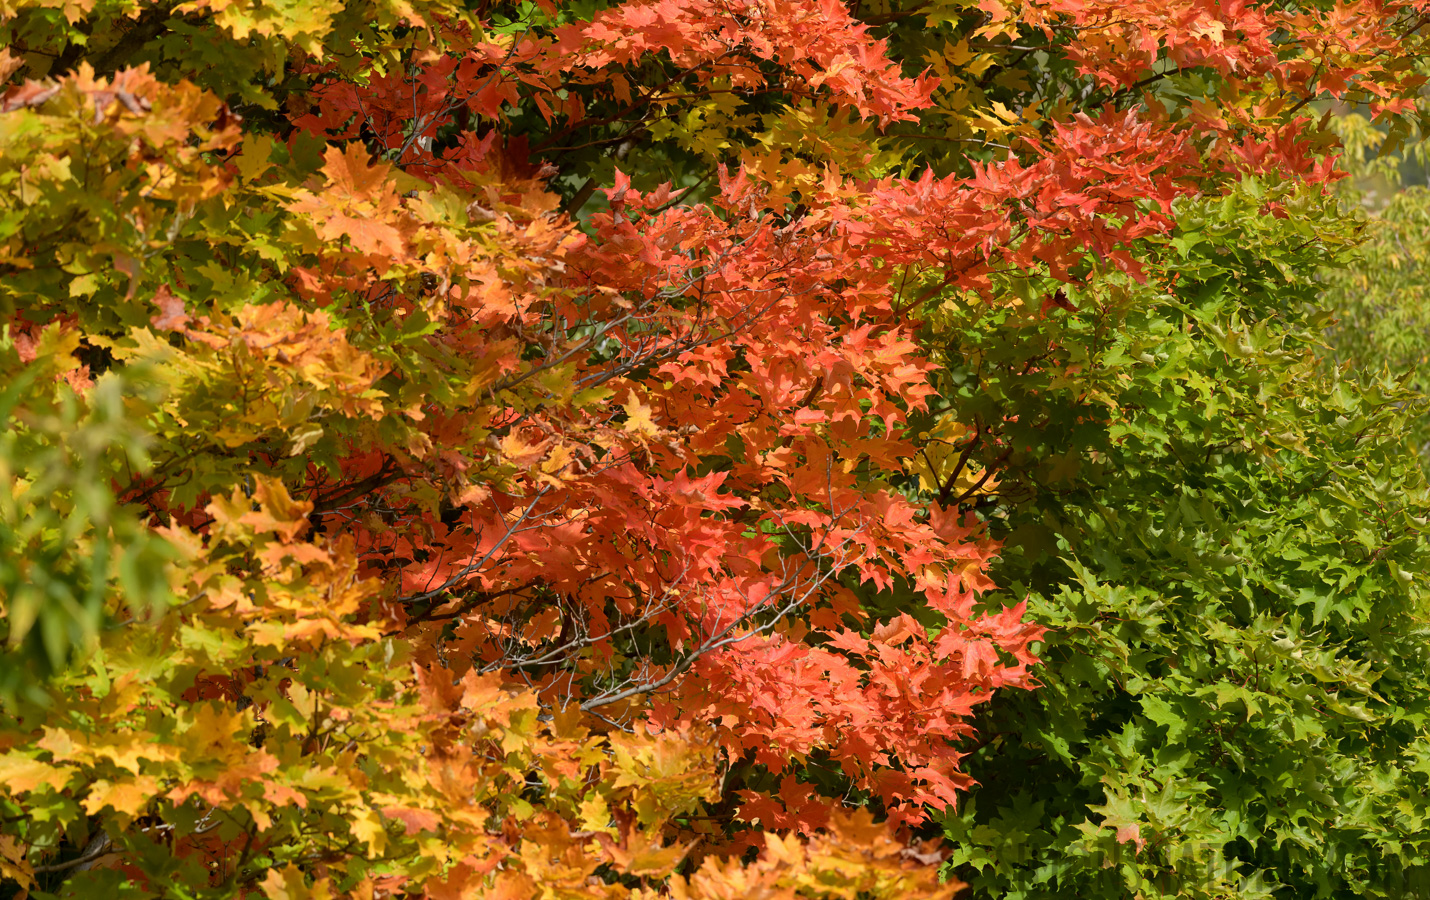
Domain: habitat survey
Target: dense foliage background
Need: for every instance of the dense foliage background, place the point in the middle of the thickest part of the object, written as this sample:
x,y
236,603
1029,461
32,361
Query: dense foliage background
x,y
713,449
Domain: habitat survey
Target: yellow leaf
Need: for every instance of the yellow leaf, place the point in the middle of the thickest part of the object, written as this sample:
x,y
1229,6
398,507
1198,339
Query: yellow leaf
x,y
596,815
643,855
253,161
521,454
13,864
60,744
1005,113
367,826
1210,28
21,774
638,418
288,884
278,511
557,462
939,454
127,797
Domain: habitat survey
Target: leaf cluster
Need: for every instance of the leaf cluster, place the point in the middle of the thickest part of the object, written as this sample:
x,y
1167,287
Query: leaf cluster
x,y
1224,539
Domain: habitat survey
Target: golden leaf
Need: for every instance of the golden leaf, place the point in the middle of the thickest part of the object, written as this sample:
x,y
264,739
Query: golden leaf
x,y
20,774
127,797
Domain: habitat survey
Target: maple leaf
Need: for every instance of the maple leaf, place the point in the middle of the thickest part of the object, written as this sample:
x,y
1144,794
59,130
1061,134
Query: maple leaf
x,y
359,203
22,773
1130,833
289,883
171,315
127,798
638,419
13,864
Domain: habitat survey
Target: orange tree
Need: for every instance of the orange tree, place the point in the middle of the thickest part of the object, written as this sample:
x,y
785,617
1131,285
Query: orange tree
x,y
465,450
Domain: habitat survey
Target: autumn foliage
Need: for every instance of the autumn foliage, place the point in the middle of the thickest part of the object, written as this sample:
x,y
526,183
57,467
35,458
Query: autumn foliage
x,y
469,450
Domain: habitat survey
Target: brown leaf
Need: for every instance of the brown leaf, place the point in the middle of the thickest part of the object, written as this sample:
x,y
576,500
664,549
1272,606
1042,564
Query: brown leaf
x,y
31,93
171,315
9,63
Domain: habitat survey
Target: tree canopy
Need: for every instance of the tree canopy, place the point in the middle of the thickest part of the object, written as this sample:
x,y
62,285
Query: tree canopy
x,y
698,449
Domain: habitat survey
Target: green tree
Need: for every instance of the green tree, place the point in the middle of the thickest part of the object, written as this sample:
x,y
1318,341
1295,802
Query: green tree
x,y
1381,298
1228,544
